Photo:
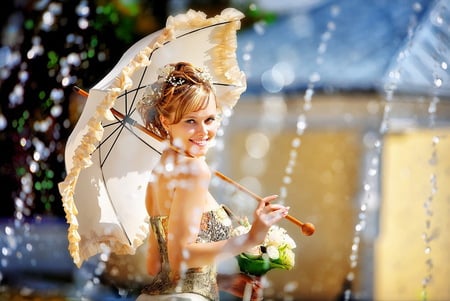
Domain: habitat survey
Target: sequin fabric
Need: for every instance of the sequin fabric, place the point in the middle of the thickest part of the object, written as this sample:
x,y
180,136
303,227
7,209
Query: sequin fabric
x,y
215,225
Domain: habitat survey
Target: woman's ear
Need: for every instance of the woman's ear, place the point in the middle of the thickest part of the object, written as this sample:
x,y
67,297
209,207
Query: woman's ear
x,y
164,123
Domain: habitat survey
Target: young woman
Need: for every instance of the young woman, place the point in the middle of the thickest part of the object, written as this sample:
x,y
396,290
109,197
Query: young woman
x,y
190,231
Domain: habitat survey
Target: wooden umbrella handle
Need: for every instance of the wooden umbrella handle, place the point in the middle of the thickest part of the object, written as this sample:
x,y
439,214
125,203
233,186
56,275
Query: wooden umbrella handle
x,y
307,228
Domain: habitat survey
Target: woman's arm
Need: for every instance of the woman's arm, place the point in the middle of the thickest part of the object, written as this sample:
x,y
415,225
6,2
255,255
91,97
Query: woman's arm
x,y
185,217
264,216
187,207
153,256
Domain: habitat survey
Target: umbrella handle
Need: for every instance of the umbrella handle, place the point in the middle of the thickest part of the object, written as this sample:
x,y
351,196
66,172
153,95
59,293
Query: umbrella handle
x,y
307,228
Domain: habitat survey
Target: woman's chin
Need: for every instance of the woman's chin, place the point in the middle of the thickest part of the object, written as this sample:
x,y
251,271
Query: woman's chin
x,y
198,150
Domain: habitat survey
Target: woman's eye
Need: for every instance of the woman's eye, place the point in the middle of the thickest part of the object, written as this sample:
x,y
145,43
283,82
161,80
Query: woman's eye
x,y
190,121
210,120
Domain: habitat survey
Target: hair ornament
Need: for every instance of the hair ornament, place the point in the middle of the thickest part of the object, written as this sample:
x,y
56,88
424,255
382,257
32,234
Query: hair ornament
x,y
175,81
154,91
205,75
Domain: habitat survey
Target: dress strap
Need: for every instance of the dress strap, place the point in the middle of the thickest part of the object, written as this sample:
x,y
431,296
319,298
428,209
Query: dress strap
x,y
231,215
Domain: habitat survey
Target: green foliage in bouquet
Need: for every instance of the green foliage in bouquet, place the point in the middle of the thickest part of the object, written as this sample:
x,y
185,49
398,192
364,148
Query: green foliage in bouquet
x,y
276,252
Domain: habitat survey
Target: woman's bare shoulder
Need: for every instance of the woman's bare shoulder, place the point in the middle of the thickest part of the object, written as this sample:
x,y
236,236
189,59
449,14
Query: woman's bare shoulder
x,y
194,167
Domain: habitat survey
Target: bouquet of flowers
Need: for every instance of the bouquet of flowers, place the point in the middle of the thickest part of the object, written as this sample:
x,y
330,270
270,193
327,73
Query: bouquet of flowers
x,y
275,252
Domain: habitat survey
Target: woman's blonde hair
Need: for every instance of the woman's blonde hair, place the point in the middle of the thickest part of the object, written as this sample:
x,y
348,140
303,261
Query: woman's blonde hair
x,y
183,90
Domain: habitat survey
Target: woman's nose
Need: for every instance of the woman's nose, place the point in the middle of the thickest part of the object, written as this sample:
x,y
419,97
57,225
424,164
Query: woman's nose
x,y
203,128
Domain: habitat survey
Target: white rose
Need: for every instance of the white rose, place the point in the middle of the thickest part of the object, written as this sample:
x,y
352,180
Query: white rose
x,y
273,252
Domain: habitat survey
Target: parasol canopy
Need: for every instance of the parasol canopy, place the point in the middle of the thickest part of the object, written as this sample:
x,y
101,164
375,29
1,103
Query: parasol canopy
x,y
108,160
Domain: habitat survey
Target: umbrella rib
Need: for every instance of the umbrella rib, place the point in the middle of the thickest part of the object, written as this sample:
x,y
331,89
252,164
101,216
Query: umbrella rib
x,y
123,122
200,29
114,142
110,135
134,123
107,191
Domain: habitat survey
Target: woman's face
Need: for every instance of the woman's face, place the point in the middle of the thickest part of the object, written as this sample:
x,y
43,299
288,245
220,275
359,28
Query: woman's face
x,y
196,130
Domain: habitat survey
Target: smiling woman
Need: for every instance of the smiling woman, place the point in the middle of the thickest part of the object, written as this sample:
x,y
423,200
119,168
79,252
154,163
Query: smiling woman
x,y
189,125
190,230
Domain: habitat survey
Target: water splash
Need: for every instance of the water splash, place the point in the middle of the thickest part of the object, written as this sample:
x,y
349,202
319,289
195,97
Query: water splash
x,y
427,235
370,195
301,123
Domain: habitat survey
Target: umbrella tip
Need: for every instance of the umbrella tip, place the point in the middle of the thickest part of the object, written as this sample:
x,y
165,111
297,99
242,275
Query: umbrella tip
x,y
308,229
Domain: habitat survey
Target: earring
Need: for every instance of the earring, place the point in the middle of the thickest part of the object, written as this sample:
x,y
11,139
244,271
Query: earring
x,y
167,133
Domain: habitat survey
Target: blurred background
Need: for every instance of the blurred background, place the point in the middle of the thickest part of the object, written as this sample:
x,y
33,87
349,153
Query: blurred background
x,y
346,117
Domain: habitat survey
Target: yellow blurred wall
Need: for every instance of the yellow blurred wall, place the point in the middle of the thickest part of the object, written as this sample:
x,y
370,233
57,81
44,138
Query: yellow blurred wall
x,y
324,184
401,260
325,188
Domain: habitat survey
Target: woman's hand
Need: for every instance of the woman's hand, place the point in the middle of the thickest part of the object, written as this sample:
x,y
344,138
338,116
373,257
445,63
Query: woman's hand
x,y
239,284
266,215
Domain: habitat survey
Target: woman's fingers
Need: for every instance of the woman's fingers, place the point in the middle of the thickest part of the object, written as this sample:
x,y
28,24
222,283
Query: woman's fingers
x,y
269,199
265,202
274,215
270,214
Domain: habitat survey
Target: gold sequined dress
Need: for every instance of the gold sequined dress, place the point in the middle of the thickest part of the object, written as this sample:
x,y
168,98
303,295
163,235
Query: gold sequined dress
x,y
202,281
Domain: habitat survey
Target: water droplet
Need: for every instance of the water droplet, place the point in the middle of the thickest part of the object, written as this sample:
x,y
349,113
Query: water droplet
x,y
74,59
331,26
301,123
322,49
83,23
437,82
29,247
296,142
246,57
307,105
293,154
315,77
287,180
363,207
6,251
23,76
358,227
417,7
335,10
347,294
288,170
3,122
56,111
283,192
257,145
82,9
290,286
259,28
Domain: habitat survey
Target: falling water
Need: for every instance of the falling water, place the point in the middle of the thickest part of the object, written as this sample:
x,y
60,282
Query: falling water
x,y
395,76
427,234
314,78
369,202
36,76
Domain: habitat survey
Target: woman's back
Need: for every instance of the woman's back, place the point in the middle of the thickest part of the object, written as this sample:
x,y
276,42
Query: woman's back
x,y
215,225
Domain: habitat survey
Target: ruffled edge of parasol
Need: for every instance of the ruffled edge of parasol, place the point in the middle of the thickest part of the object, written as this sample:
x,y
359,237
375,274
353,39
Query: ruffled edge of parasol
x,y
225,63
